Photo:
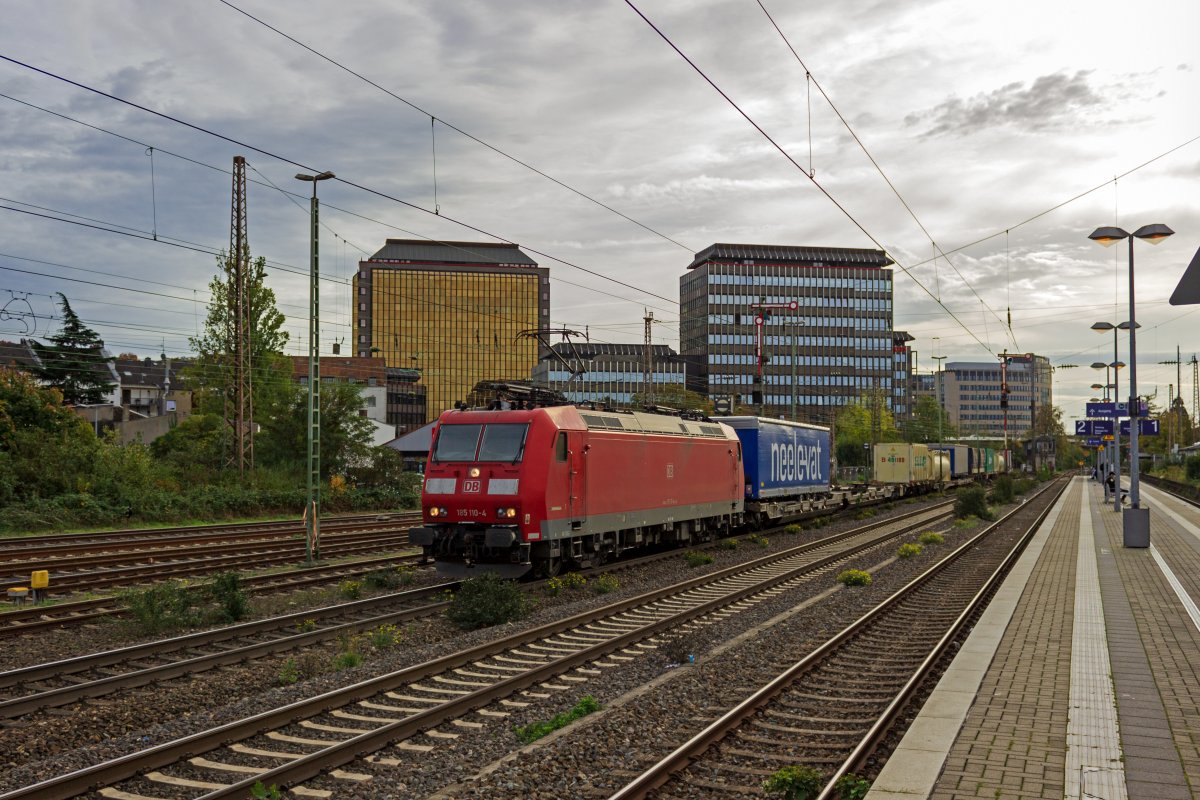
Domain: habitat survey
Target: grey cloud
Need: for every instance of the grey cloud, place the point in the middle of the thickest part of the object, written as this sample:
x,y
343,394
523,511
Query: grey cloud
x,y
1050,102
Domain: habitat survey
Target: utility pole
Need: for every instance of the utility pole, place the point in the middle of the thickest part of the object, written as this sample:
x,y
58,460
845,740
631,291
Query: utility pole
x,y
238,270
312,509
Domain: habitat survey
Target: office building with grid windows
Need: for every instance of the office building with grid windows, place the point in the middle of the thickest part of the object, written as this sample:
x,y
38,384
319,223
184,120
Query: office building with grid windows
x,y
454,311
608,373
972,392
833,347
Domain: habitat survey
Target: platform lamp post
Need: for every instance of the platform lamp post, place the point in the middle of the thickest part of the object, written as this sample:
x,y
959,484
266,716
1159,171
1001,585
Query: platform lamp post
x,y
1136,527
312,507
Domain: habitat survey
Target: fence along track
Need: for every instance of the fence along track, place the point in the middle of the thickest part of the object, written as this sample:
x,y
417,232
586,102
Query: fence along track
x,y
801,716
445,689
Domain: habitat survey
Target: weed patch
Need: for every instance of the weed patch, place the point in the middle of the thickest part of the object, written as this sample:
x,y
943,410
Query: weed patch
x,y
485,601
854,577
536,730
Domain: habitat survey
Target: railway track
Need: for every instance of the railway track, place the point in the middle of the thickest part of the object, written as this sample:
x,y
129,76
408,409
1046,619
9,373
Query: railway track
x,y
422,705
100,541
62,682
32,619
100,562
1185,492
834,707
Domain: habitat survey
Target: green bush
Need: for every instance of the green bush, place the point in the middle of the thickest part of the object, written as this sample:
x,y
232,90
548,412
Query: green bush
x,y
971,502
1003,490
231,600
854,577
485,601
382,579
966,522
289,673
728,544
793,529
175,605
536,730
384,636
866,513
348,660
694,558
259,791
758,539
931,537
350,590
852,787
1191,468
606,583
1023,485
909,550
794,783
556,586
169,605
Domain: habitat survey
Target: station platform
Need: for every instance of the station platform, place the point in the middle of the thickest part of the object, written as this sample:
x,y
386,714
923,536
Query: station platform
x,y
1082,679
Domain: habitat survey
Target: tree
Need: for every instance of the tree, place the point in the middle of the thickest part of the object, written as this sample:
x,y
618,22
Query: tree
x,y
75,362
860,423
213,374
45,448
929,423
345,435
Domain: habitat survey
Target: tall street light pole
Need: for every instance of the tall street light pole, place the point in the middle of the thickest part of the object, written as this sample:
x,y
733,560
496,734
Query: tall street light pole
x,y
1136,520
312,508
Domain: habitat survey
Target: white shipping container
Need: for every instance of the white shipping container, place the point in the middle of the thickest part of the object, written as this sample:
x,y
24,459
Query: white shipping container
x,y
899,462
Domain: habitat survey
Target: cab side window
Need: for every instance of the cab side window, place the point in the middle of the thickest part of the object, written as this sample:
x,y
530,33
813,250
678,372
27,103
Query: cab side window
x,y
560,447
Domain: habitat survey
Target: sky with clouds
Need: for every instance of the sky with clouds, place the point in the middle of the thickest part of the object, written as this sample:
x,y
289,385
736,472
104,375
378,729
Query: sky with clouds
x,y
986,118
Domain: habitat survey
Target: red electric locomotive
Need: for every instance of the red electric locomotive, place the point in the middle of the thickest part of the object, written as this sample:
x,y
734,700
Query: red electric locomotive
x,y
520,490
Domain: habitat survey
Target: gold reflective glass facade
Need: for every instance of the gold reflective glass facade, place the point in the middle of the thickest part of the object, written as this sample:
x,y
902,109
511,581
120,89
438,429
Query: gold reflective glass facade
x,y
457,324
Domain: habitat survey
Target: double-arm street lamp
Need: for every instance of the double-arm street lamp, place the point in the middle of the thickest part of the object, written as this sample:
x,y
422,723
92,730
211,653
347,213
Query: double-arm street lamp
x,y
1136,528
312,509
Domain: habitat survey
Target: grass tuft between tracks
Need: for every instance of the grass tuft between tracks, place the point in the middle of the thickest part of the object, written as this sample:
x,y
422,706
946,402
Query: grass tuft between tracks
x,y
536,730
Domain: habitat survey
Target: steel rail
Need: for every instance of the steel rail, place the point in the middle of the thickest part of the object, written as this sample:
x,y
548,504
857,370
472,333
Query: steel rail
x,y
662,772
124,767
26,620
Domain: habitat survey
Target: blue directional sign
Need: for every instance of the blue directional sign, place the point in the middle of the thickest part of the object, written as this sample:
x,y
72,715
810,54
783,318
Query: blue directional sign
x,y
1146,427
1093,427
1109,410
1094,443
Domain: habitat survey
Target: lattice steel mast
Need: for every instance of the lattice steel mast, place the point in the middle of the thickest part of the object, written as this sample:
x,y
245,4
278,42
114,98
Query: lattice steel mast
x,y
239,409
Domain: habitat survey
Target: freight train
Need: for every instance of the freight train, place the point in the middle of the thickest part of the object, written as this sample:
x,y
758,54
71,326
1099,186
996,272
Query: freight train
x,y
525,490
916,468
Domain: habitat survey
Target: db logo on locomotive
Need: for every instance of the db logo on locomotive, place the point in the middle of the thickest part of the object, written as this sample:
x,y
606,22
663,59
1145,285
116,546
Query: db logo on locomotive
x,y
472,487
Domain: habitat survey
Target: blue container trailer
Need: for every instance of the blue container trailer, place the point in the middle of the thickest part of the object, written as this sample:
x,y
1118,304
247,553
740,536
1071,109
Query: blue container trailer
x,y
782,459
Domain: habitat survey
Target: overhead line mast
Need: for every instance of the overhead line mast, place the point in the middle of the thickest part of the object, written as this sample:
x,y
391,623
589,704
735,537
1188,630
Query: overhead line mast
x,y
237,269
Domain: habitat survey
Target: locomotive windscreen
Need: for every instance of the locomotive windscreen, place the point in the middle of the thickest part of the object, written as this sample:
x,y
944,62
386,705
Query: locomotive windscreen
x,y
498,442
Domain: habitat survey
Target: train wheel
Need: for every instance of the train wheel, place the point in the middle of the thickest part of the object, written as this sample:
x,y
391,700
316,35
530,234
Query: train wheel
x,y
550,568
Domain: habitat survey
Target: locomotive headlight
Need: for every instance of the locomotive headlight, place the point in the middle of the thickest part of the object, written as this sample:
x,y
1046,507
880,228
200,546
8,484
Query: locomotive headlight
x,y
433,511
506,513
474,472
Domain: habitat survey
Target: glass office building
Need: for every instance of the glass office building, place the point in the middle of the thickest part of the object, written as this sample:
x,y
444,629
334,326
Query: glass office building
x,y
835,346
453,311
612,373
973,394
